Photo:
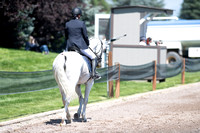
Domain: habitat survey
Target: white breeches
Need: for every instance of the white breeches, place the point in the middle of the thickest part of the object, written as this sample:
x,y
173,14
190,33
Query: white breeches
x,y
88,53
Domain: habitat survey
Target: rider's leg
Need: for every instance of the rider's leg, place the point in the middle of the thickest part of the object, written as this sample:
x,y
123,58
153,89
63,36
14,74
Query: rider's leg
x,y
88,53
92,56
95,75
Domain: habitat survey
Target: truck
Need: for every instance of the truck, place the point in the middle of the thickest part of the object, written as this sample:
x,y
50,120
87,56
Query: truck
x,y
181,37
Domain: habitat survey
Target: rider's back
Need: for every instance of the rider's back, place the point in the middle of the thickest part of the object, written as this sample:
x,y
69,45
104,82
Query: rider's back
x,y
76,34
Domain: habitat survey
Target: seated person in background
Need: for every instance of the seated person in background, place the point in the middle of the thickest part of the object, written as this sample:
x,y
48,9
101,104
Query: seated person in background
x,y
150,42
31,44
44,49
142,41
158,42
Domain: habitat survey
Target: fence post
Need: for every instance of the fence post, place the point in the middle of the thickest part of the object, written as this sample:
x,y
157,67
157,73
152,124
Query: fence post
x,y
154,77
110,82
117,83
183,72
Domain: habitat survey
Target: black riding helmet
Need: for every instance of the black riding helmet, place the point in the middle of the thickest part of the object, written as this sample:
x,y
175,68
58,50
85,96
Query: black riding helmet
x,y
76,11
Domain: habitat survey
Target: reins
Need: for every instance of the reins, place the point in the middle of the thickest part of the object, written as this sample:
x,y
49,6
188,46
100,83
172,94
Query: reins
x,y
96,54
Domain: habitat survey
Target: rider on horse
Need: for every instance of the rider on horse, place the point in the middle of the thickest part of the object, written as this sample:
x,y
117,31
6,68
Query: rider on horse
x,y
77,39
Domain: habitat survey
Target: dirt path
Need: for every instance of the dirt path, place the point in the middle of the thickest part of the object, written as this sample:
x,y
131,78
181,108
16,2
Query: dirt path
x,y
170,110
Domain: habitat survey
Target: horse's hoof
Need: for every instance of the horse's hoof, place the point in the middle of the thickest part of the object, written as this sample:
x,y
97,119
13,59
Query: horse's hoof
x,y
69,121
84,120
62,124
76,116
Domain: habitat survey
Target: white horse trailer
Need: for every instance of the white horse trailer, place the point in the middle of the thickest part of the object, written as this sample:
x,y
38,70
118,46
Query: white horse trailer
x,y
179,36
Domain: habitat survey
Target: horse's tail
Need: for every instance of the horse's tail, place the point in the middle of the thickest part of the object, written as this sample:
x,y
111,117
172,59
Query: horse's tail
x,y
66,88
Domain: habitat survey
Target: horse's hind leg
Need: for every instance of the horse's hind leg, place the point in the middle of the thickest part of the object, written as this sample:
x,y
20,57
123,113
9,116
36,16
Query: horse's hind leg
x,y
78,91
66,113
87,92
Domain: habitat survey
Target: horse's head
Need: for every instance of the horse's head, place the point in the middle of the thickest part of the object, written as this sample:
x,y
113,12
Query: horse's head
x,y
96,46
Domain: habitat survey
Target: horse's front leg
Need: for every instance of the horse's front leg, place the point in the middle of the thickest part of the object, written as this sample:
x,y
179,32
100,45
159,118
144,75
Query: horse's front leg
x,y
78,91
88,87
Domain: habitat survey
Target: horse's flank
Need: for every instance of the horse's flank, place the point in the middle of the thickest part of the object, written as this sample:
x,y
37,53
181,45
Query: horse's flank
x,y
76,71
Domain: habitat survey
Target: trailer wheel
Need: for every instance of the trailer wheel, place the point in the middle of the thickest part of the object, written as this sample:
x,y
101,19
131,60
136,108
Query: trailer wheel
x,y
173,58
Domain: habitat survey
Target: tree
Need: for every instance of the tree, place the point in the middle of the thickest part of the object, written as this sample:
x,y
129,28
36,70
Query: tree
x,y
15,23
90,8
102,3
43,19
190,9
151,3
50,17
88,15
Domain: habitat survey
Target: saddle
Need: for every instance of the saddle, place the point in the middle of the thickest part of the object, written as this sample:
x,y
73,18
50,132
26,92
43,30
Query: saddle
x,y
87,59
75,49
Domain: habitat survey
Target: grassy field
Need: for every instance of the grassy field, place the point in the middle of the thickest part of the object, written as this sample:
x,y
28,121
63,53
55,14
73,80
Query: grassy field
x,y
25,61
18,105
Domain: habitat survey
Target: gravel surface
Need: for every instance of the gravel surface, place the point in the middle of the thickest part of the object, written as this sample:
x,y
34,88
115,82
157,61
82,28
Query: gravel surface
x,y
171,110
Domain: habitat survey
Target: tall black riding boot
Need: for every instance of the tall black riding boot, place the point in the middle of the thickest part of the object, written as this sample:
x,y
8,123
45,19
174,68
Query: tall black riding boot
x,y
95,75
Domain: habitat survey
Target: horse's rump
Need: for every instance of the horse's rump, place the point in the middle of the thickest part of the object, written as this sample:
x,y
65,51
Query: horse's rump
x,y
60,68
